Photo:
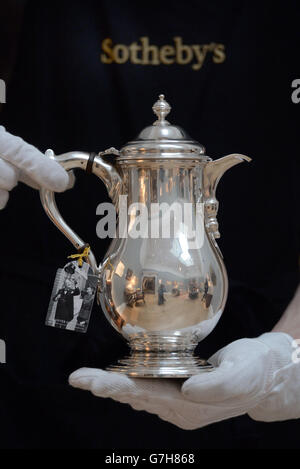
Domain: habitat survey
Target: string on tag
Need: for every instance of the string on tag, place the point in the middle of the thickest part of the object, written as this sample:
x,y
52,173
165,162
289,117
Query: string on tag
x,y
80,256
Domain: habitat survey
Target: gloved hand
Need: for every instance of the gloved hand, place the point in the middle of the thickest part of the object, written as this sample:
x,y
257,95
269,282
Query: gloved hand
x,y
20,161
254,376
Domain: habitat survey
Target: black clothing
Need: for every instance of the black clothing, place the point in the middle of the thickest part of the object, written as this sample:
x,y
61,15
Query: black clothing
x,y
161,298
85,309
65,303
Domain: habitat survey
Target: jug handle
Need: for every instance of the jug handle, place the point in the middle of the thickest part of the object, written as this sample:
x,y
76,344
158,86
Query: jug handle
x,y
91,163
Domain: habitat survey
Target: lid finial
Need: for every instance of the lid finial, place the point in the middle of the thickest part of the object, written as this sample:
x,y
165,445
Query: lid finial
x,y
161,108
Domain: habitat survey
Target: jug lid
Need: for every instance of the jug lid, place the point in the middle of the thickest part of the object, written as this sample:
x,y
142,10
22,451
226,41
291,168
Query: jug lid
x,y
161,140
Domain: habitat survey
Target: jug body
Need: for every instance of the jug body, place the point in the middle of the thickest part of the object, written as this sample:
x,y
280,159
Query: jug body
x,y
163,290
162,284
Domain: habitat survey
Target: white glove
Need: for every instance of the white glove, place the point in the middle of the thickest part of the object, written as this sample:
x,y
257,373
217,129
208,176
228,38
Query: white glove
x,y
20,161
254,376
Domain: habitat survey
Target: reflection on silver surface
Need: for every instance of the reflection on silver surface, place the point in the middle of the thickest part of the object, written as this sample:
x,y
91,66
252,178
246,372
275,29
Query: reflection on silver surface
x,y
167,297
161,294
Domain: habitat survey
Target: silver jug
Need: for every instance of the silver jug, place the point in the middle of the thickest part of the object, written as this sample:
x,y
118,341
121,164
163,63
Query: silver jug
x,y
159,292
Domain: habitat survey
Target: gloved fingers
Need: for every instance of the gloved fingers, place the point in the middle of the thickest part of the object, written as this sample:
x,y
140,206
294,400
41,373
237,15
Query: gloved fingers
x,y
215,414
179,413
169,406
128,391
168,414
103,383
8,175
72,180
188,415
240,374
26,179
159,403
242,350
42,170
193,416
282,403
122,388
4,195
229,383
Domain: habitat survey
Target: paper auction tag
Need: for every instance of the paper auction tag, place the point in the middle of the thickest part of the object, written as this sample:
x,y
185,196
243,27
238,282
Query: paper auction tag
x,y
72,297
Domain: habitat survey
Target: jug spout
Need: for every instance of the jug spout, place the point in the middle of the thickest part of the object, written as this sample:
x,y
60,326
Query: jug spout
x,y
212,174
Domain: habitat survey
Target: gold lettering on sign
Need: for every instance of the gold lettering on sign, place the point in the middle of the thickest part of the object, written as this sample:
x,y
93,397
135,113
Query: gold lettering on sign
x,y
184,54
219,54
108,56
121,53
141,52
167,54
149,53
134,50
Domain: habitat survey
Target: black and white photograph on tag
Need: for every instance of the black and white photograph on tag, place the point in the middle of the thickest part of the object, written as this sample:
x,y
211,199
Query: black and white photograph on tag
x,y
72,297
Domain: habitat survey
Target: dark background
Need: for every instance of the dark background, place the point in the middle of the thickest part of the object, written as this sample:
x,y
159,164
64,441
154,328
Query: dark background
x,y
60,95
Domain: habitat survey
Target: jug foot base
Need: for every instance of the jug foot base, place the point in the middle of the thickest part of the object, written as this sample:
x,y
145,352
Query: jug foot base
x,y
160,365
